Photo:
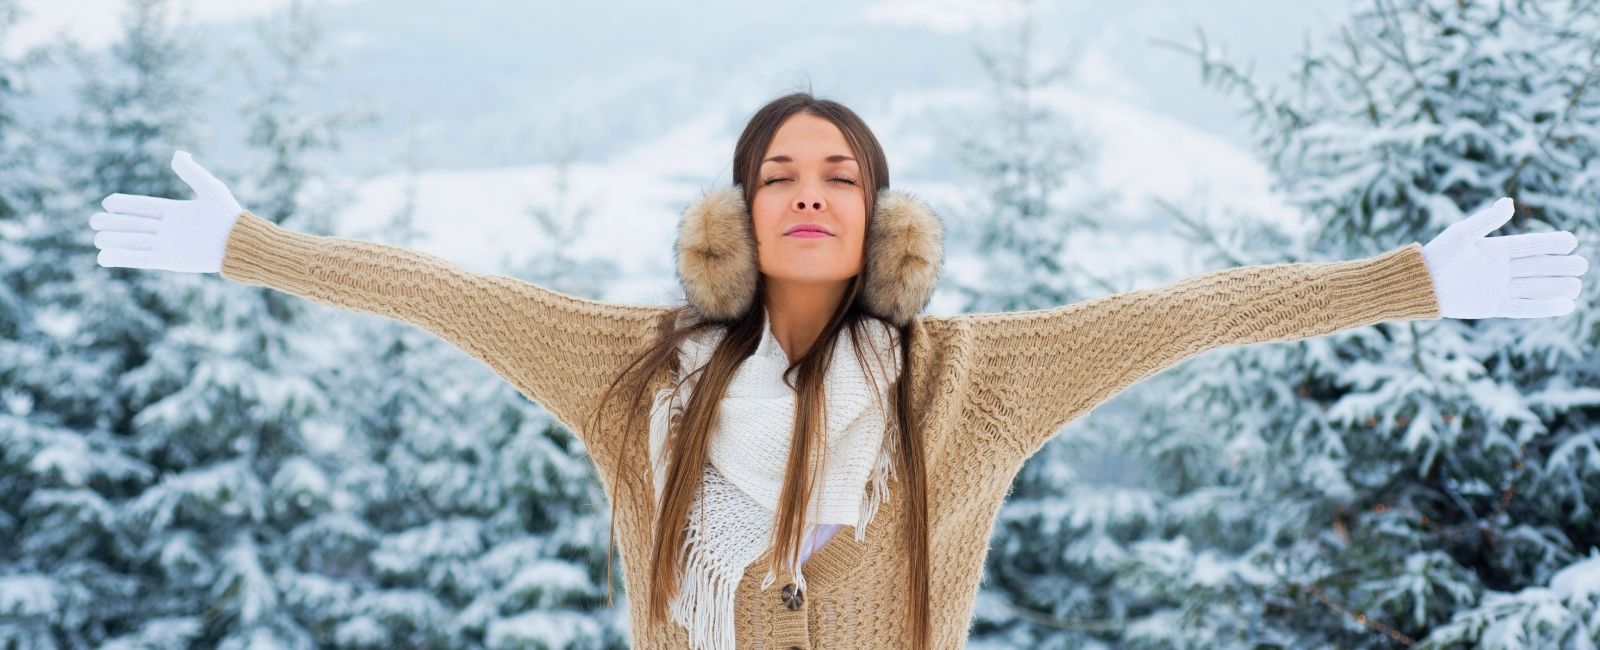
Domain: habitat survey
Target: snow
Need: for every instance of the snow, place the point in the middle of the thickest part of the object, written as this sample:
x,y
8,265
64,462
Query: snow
x,y
361,631
25,596
1579,583
160,632
419,548
553,578
551,629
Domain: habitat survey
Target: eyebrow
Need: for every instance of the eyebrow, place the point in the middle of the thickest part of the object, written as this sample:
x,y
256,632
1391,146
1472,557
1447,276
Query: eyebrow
x,y
838,157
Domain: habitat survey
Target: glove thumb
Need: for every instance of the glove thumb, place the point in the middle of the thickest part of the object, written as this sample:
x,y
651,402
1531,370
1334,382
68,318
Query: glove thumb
x,y
198,179
1487,220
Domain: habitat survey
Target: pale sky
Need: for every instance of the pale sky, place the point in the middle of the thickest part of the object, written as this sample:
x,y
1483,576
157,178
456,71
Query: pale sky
x,y
96,22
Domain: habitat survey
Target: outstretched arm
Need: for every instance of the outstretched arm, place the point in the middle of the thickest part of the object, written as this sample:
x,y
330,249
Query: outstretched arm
x,y
1041,368
557,349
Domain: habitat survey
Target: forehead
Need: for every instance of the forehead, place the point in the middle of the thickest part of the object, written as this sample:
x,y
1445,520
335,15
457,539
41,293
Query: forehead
x,y
805,137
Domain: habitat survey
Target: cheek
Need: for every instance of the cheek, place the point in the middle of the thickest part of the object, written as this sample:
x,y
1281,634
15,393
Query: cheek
x,y
764,220
858,230
858,247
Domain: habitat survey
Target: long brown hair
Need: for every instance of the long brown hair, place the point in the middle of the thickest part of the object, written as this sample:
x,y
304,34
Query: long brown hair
x,y
689,441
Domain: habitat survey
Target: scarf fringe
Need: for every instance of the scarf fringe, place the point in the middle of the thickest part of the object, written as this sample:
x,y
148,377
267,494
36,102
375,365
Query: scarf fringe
x,y
884,468
878,486
662,413
799,580
703,603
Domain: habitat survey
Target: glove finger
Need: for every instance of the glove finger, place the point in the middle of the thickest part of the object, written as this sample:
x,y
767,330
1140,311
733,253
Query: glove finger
x,y
138,241
123,222
1542,265
1559,242
147,206
1539,307
127,258
198,179
1562,287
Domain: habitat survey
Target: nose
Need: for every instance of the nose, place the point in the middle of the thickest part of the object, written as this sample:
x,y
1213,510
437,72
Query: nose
x,y
810,200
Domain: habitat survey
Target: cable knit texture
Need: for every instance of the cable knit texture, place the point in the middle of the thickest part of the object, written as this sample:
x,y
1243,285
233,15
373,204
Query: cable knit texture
x,y
988,390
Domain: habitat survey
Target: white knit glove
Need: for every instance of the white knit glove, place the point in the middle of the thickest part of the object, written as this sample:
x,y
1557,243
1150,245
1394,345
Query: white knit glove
x,y
146,232
1518,276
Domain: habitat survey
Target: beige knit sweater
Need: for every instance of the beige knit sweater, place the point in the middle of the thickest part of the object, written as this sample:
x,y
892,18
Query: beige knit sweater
x,y
990,389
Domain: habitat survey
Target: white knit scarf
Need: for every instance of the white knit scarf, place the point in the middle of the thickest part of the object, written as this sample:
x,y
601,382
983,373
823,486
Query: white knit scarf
x,y
731,521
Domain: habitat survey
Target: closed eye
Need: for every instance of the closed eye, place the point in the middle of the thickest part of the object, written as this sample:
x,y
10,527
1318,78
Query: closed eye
x,y
779,178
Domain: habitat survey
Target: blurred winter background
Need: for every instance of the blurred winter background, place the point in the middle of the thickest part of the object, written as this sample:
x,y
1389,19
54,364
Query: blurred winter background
x,y
185,461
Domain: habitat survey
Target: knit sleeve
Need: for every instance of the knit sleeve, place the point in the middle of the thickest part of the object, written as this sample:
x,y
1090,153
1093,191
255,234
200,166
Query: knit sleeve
x,y
559,350
1037,370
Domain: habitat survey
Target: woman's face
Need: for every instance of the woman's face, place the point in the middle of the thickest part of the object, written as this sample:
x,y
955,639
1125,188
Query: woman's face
x,y
808,176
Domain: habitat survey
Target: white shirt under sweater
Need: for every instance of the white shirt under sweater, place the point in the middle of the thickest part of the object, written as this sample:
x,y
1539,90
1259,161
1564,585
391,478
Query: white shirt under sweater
x,y
819,536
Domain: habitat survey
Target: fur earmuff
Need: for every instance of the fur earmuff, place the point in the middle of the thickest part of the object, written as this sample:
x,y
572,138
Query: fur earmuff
x,y
715,253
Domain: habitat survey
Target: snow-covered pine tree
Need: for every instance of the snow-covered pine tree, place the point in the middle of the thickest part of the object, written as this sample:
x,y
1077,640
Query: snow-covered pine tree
x,y
59,580
74,460
1430,482
479,513
559,223
18,193
167,421
1023,153
249,407
554,478
1047,576
15,143
1187,569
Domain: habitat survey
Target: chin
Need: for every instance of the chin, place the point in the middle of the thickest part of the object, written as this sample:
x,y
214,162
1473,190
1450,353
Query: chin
x,y
810,276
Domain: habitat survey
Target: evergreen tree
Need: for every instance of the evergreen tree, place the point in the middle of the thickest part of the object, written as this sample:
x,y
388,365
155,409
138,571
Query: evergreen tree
x,y
559,223
1023,155
558,485
54,522
250,408
19,193
165,426
15,142
478,524
73,460
1426,482
1389,484
1048,570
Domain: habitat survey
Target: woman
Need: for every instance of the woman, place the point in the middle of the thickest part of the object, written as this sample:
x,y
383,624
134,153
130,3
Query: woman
x,y
929,417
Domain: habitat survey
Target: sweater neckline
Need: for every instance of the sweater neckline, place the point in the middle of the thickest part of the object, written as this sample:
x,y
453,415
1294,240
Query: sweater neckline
x,y
838,556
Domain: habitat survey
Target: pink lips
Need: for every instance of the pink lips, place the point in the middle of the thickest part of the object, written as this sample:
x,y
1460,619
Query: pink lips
x,y
807,230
